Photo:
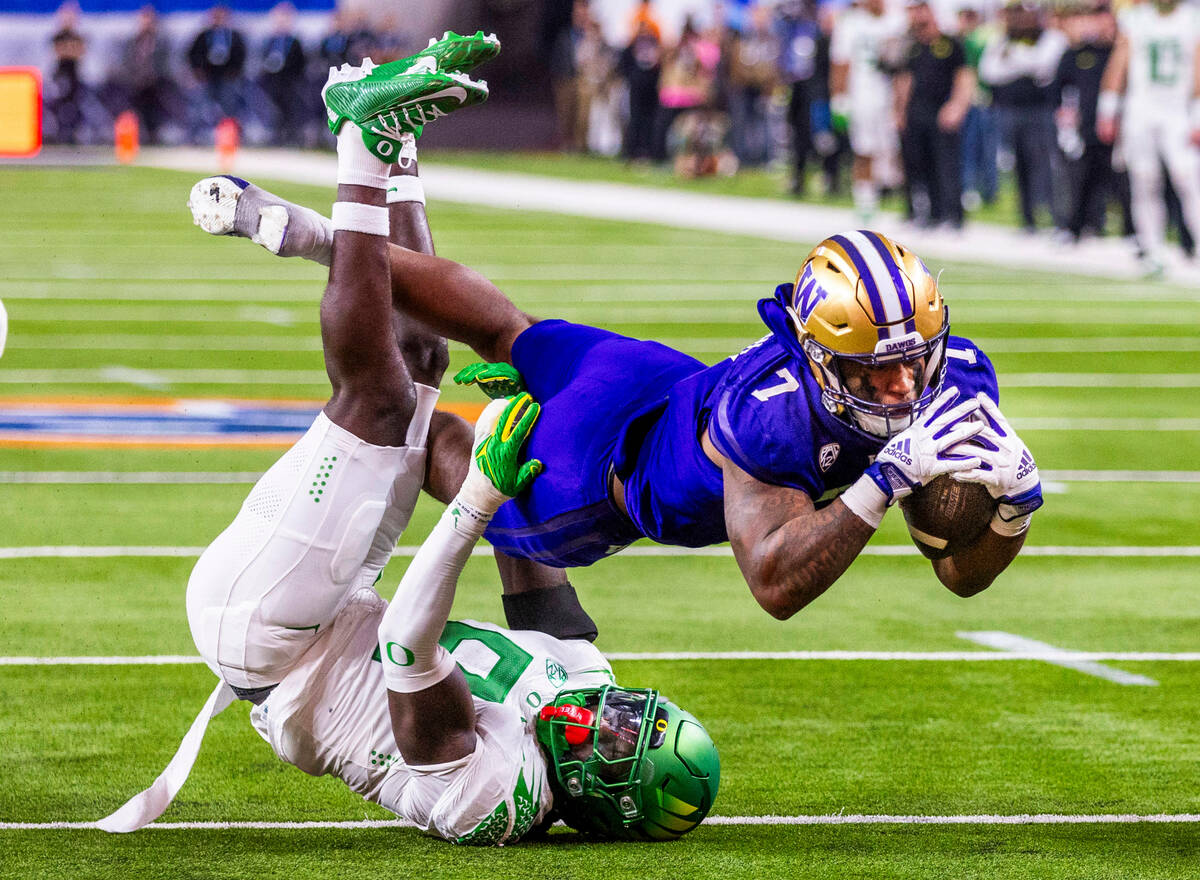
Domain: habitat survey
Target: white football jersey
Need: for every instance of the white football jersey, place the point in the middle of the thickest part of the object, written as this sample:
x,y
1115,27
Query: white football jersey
x,y
1162,55
865,41
330,716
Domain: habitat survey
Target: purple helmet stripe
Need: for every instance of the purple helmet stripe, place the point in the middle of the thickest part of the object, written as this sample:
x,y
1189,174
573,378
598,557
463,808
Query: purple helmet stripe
x,y
908,304
864,272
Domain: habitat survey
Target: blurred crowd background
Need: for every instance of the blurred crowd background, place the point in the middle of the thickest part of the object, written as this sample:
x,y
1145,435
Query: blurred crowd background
x,y
935,101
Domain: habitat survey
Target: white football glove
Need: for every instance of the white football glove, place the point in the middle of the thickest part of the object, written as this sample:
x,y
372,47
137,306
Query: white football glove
x,y
922,451
1006,468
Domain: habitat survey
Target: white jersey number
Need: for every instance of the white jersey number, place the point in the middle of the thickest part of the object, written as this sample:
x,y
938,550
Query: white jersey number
x,y
788,384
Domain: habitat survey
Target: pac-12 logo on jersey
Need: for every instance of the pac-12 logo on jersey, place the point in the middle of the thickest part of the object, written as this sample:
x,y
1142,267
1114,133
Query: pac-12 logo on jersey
x,y
828,455
555,673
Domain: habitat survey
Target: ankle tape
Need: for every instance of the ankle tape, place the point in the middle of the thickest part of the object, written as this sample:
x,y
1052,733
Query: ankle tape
x,y
405,188
355,217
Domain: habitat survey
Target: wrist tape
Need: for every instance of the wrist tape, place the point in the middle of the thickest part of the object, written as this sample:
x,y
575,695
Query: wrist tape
x,y
866,501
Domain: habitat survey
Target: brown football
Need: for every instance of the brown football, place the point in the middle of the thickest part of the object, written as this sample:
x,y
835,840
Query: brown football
x,y
946,515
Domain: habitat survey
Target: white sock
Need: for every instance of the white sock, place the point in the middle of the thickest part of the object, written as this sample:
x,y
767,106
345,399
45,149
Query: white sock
x,y
356,164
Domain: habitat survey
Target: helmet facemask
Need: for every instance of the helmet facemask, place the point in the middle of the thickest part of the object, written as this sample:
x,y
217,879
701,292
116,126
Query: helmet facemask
x,y
843,380
596,740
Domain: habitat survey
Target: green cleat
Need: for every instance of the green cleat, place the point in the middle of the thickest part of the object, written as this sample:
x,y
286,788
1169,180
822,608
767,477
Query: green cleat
x,y
388,107
451,54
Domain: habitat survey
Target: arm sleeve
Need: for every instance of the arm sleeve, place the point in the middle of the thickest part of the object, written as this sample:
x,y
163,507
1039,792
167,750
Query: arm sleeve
x,y
409,631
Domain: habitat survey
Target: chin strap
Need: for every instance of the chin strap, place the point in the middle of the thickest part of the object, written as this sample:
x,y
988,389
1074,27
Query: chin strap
x,y
774,313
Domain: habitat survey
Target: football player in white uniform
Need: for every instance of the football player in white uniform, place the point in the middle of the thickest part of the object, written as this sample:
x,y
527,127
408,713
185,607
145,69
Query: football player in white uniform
x,y
472,732
865,38
1150,100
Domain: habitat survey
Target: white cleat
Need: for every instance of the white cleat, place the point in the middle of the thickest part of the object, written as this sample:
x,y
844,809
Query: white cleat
x,y
3,327
213,202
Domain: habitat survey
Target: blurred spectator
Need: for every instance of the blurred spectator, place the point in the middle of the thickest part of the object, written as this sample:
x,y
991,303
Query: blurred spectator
x,y
143,76
579,65
864,49
687,82
799,38
1154,62
1091,32
65,91
641,66
833,145
699,142
346,43
216,58
933,94
753,75
1020,67
980,142
282,78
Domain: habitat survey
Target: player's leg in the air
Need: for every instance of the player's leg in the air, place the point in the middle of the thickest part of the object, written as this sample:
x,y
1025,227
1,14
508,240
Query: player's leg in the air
x,y
324,520
536,596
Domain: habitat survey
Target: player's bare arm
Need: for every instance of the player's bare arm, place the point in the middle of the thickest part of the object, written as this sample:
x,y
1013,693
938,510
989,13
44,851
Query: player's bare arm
x,y
788,551
973,570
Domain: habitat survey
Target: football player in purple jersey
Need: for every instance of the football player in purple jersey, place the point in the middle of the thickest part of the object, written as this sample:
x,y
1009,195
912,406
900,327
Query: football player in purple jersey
x,y
792,450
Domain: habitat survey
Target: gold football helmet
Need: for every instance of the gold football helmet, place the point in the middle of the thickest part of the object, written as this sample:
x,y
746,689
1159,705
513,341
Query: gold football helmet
x,y
860,301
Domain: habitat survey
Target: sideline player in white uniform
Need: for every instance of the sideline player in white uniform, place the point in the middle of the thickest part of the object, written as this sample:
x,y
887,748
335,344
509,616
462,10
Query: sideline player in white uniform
x,y
865,38
282,605
1152,85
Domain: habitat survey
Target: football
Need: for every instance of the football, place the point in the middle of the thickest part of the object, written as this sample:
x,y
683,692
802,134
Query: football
x,y
946,515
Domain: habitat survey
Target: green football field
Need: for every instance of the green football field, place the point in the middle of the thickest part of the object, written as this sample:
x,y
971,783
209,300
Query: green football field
x,y
882,735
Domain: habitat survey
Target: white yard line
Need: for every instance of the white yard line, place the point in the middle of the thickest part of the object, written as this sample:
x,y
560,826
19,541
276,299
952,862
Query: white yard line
x,y
91,478
117,374
1100,380
56,551
1003,641
232,477
1049,655
725,344
828,819
771,219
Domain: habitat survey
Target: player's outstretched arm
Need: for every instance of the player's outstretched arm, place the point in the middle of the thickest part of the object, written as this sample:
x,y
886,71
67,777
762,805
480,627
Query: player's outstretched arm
x,y
433,717
790,552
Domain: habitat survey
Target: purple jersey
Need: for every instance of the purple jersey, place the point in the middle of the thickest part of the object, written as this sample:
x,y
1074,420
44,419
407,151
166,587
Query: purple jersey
x,y
639,409
762,410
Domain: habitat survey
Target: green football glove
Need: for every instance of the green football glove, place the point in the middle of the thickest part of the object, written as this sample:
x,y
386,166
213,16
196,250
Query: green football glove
x,y
496,471
494,380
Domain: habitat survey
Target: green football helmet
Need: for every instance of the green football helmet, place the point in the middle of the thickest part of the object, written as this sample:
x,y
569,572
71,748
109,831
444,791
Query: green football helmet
x,y
628,763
